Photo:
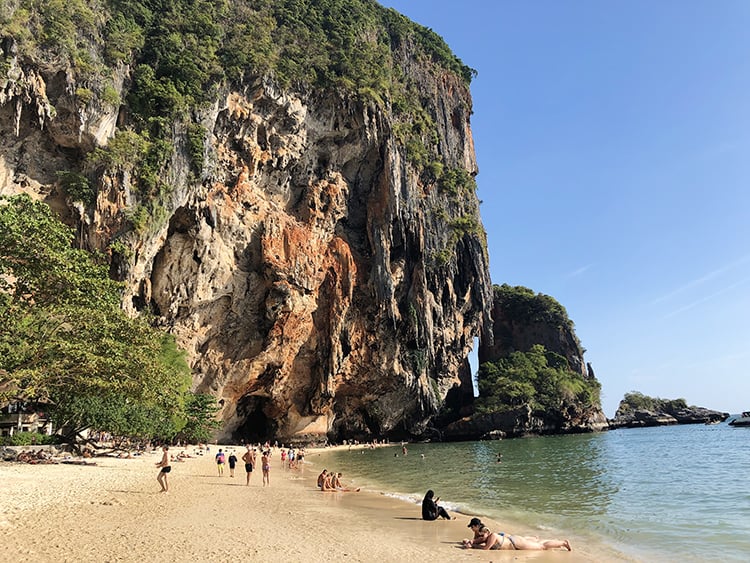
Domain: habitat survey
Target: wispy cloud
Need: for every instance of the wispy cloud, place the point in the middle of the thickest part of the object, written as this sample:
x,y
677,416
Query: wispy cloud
x,y
578,272
703,279
705,298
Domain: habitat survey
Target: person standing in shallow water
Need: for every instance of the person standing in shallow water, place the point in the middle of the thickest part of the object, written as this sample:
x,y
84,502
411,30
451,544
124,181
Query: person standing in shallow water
x,y
165,468
431,510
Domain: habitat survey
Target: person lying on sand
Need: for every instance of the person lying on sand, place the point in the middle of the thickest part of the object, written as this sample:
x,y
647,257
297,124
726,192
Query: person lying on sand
x,y
485,539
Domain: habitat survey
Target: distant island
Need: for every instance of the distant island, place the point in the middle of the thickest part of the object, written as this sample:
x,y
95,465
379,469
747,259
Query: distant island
x,y
637,410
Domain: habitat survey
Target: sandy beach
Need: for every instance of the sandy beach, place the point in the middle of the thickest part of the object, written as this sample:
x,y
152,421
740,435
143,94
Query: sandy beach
x,y
114,512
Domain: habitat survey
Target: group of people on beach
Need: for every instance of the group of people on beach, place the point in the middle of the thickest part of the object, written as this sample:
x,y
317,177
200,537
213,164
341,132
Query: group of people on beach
x,y
249,458
291,458
484,538
330,481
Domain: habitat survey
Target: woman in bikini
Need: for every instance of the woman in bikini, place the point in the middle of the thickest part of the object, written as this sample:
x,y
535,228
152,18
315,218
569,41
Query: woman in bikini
x,y
485,539
265,464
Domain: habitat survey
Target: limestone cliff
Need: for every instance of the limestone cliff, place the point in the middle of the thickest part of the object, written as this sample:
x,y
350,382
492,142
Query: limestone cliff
x,y
523,321
322,283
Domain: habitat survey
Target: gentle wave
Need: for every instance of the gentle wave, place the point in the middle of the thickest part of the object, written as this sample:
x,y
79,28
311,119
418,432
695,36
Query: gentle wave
x,y
667,494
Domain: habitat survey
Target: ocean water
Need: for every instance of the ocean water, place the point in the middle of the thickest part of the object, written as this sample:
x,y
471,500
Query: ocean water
x,y
664,494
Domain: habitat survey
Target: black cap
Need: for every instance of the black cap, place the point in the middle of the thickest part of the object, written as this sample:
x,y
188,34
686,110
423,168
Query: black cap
x,y
475,522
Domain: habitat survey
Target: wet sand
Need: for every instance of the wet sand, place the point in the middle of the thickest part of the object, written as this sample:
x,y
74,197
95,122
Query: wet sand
x,y
114,512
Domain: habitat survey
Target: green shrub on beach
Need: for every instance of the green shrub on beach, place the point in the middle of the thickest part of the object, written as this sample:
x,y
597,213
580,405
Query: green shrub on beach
x,y
29,439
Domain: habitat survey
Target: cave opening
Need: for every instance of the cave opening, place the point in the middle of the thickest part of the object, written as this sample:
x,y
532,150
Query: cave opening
x,y
257,426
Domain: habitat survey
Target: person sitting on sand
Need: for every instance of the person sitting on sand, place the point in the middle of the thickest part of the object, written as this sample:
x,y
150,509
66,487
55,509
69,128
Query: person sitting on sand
x,y
485,539
328,483
336,483
165,468
322,478
431,510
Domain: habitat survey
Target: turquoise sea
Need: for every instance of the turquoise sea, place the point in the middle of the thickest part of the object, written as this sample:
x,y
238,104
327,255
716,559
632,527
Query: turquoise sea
x,y
664,494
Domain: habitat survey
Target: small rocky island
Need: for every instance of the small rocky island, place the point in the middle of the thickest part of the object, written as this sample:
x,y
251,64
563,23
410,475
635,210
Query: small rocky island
x,y
637,410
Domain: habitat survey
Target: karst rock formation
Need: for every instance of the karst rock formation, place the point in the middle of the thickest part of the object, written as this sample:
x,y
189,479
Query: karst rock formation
x,y
321,283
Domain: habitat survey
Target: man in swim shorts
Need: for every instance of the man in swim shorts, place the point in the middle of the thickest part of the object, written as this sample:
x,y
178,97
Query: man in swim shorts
x,y
165,468
249,459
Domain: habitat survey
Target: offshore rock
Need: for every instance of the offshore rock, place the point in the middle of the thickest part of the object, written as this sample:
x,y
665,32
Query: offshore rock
x,y
639,418
523,421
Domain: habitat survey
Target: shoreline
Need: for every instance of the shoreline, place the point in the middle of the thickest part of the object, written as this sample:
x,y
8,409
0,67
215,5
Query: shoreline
x,y
444,532
113,511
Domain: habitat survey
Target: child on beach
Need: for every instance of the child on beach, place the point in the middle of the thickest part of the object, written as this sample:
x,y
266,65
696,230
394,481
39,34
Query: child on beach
x,y
232,459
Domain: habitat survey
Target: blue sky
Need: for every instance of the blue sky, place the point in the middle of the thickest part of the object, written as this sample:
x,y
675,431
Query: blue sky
x,y
613,141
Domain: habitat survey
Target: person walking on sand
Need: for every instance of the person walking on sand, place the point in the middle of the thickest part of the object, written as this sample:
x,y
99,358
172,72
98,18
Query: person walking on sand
x,y
165,468
249,458
265,464
232,459
220,462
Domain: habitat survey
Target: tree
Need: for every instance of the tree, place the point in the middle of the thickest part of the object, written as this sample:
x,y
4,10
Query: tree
x,y
200,410
635,400
539,378
65,341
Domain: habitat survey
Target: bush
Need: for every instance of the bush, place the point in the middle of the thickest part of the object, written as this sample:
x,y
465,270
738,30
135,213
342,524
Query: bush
x,y
29,439
539,378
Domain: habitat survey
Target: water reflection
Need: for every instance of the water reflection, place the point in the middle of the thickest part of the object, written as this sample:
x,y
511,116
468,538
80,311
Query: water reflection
x,y
662,494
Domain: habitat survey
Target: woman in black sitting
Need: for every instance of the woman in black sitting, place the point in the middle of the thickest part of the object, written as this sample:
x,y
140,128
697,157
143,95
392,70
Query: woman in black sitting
x,y
431,510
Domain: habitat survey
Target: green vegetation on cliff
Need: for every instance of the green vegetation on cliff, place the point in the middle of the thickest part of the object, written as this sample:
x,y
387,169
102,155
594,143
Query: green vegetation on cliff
x,y
67,344
522,303
539,378
182,49
181,53
635,400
